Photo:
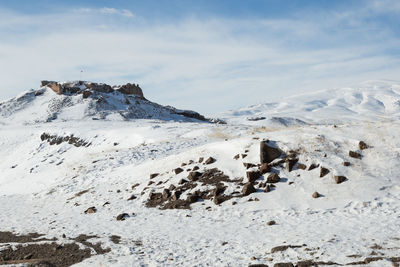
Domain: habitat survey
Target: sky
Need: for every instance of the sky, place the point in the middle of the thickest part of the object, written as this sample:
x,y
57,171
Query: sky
x,y
205,55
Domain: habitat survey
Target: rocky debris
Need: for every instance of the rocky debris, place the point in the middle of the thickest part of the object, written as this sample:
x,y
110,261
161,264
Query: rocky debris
x,y
346,163
182,181
200,159
90,210
316,195
323,172
153,175
249,165
284,248
131,89
253,175
269,223
313,166
210,160
116,239
264,168
268,153
178,170
195,168
132,197
122,216
267,189
193,176
354,154
273,178
339,179
283,264
301,166
86,94
306,263
9,237
362,145
236,156
290,163
70,139
243,155
248,189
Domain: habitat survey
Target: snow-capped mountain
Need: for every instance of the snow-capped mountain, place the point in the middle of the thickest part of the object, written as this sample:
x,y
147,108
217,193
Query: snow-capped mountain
x,y
373,101
87,101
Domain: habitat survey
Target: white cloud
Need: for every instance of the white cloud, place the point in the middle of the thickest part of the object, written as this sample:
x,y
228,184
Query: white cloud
x,y
205,65
114,11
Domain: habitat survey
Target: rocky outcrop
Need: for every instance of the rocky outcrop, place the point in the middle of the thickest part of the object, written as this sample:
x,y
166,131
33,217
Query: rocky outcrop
x,y
79,87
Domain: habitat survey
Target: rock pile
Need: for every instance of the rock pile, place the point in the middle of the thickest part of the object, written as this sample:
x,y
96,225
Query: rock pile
x,y
86,88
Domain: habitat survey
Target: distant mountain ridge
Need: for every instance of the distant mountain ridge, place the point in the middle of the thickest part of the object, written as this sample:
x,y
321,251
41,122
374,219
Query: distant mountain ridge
x,y
80,100
372,101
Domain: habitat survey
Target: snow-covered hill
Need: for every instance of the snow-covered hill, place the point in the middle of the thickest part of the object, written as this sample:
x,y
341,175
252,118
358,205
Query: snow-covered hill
x,y
165,193
45,105
369,101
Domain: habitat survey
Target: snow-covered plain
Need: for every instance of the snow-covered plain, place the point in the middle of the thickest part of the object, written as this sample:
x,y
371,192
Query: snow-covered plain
x,y
351,221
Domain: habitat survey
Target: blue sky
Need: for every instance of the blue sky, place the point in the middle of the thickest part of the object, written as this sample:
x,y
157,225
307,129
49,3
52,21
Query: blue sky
x,y
208,56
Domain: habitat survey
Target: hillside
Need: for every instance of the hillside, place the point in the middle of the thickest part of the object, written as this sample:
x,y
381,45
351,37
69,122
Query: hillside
x,y
159,192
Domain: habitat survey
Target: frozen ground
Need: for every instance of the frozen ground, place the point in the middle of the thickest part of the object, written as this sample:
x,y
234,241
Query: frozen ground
x,y
355,221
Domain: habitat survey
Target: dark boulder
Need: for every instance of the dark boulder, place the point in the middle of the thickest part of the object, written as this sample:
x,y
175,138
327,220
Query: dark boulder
x,y
268,153
248,189
273,178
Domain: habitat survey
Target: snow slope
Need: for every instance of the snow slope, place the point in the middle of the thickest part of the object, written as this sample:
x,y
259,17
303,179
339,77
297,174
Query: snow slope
x,y
369,101
351,221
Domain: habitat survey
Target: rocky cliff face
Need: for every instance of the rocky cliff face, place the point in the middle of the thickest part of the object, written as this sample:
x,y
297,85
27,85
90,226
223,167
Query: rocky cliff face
x,y
86,88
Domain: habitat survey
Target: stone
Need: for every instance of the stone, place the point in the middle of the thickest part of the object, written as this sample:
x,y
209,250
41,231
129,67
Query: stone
x,y
289,164
182,181
90,210
253,175
122,216
153,175
315,195
265,168
166,193
171,187
178,170
271,223
248,165
195,168
132,197
273,178
283,264
267,189
301,166
362,145
175,195
268,153
354,154
346,163
201,159
236,156
210,160
194,176
323,172
313,166
131,89
339,179
248,189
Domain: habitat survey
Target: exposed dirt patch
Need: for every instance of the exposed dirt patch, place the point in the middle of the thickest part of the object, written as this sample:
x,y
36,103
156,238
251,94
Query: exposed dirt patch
x,y
8,237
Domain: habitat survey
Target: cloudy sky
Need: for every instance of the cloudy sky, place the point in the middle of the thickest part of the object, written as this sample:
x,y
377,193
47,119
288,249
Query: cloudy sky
x,y
209,56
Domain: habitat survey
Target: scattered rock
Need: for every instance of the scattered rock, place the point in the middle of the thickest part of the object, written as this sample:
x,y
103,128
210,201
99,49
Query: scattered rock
x,y
182,181
166,193
116,239
273,178
178,170
153,175
268,153
171,187
283,248
244,155
194,176
290,164
236,156
346,163
362,145
132,197
265,168
315,195
90,210
354,154
301,166
283,264
271,223
339,179
122,216
201,159
86,94
313,166
323,172
195,168
267,189
248,189
248,165
210,160
253,175
183,164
